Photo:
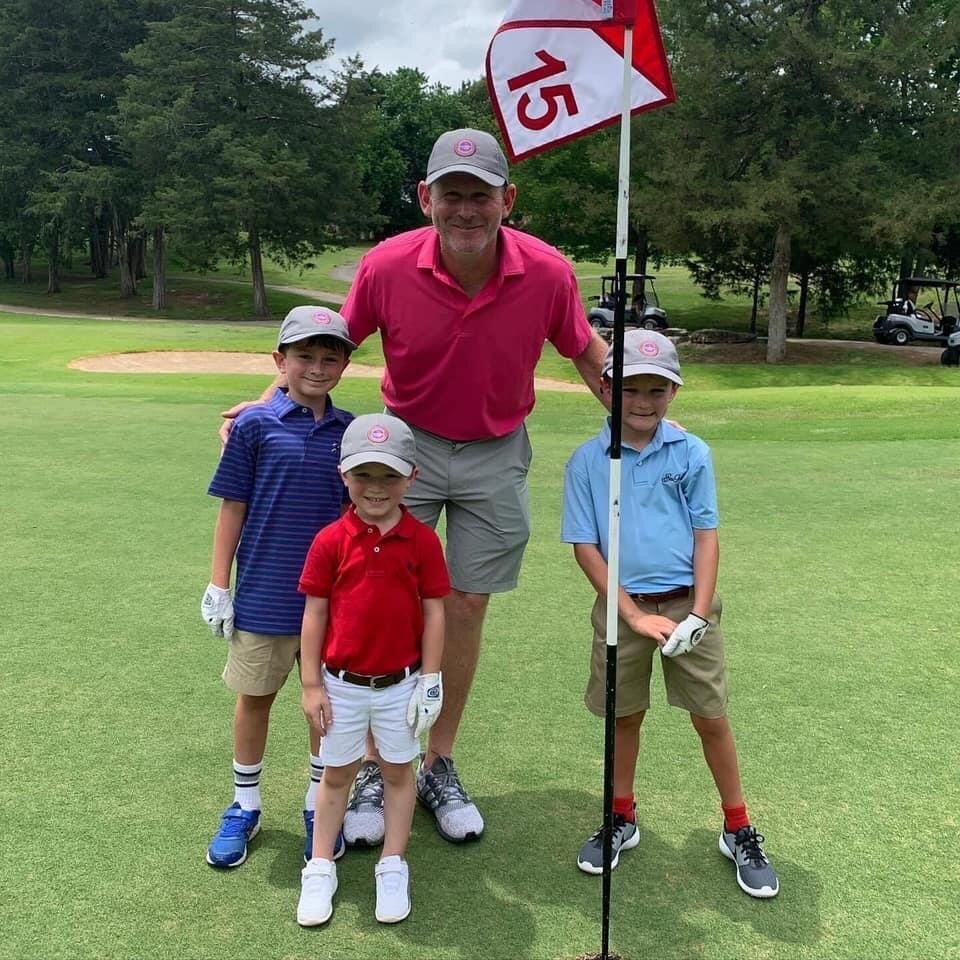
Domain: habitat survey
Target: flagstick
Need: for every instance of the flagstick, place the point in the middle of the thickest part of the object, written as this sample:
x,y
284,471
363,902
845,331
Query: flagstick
x,y
613,552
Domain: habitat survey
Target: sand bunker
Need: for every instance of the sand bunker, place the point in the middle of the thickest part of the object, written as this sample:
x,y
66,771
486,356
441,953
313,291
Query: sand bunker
x,y
189,361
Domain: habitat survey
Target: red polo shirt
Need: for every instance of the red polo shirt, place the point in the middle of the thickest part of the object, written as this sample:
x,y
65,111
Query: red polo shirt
x,y
375,585
458,367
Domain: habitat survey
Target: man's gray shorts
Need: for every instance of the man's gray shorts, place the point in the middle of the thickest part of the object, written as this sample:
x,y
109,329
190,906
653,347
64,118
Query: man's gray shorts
x,y
483,485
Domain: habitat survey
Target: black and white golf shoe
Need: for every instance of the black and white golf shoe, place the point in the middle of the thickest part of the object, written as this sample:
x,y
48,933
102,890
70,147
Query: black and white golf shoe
x,y
755,875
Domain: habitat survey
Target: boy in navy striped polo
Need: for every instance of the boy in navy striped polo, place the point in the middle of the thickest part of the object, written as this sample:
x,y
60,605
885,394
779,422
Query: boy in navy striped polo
x,y
279,485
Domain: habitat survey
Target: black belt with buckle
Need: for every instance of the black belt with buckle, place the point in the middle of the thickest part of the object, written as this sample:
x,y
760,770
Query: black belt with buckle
x,y
378,682
675,594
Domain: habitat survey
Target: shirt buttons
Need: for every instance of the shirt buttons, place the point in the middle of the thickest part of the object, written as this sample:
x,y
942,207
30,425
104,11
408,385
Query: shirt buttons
x,y
304,410
369,529
376,549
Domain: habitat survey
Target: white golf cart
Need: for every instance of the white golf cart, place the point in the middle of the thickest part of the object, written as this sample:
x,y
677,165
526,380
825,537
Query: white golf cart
x,y
645,310
909,318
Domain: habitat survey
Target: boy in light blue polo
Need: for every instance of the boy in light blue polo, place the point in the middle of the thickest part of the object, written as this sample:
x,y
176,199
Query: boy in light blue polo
x,y
669,553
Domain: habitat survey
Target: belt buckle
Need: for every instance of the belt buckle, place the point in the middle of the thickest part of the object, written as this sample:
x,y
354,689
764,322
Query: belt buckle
x,y
382,681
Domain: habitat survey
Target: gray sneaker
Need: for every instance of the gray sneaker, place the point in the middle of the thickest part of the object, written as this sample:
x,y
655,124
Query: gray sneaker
x,y
363,820
625,837
439,789
754,873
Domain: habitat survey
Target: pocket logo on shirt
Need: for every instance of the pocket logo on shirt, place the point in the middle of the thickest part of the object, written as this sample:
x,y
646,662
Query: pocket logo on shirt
x,y
671,478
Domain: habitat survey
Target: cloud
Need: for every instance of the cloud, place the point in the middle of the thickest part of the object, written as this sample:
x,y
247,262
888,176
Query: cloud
x,y
448,42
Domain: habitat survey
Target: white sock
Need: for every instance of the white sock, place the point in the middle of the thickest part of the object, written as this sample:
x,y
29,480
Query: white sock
x,y
316,772
246,784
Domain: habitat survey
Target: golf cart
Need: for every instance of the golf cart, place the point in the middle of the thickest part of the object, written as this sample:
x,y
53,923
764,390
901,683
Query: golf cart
x,y
936,321
645,311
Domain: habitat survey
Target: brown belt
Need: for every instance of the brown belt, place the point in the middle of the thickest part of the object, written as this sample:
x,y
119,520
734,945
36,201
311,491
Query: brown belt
x,y
675,594
377,682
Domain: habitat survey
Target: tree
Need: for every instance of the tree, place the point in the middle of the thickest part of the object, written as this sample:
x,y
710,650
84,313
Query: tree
x,y
919,210
409,113
776,134
249,156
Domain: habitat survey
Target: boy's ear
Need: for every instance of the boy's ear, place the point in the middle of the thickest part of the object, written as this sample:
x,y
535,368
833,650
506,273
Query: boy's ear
x,y
280,360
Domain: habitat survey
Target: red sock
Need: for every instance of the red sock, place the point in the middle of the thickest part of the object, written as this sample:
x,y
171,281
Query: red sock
x,y
735,817
626,807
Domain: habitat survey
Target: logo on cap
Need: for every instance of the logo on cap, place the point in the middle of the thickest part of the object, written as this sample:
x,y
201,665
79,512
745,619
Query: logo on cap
x,y
378,434
465,148
322,318
649,349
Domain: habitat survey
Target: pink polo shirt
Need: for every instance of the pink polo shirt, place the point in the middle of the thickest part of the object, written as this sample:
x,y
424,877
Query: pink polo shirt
x,y
458,367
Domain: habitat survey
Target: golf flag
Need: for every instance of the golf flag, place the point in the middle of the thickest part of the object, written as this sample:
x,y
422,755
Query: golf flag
x,y
555,69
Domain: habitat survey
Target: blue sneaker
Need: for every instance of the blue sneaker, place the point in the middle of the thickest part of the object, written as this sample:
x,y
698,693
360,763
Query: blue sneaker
x,y
237,828
339,848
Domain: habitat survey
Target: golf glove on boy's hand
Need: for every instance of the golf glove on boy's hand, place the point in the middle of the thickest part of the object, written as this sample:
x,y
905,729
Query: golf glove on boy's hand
x,y
425,702
216,608
685,637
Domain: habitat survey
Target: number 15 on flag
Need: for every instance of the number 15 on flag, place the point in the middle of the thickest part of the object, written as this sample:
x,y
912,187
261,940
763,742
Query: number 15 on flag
x,y
560,76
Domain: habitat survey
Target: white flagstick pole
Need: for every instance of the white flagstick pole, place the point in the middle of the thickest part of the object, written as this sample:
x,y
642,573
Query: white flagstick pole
x,y
613,551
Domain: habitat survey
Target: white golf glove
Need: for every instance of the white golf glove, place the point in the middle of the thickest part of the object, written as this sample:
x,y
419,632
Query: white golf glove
x,y
685,636
216,608
425,702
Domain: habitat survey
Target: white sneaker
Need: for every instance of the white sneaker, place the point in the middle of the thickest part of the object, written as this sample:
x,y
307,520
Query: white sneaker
x,y
393,890
318,884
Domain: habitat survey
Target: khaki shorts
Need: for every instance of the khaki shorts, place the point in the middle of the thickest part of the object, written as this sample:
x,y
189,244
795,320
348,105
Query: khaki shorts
x,y
483,486
258,664
695,681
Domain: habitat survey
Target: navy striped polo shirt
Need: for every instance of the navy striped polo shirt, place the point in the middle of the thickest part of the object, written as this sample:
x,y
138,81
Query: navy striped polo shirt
x,y
282,462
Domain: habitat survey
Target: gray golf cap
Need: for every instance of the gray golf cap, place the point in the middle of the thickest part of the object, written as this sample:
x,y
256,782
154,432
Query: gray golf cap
x,y
468,151
378,438
304,322
645,351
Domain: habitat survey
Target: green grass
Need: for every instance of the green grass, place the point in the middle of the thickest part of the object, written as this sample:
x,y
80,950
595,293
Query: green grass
x,y
838,542
221,294
316,274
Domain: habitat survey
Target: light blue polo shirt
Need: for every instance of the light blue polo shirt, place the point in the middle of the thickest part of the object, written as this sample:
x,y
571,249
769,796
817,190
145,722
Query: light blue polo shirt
x,y
666,492
282,462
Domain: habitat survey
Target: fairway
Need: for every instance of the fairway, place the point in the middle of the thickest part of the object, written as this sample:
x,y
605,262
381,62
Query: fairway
x,y
838,560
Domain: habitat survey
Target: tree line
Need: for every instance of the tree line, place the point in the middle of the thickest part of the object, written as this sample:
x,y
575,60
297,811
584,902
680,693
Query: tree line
x,y
128,124
811,139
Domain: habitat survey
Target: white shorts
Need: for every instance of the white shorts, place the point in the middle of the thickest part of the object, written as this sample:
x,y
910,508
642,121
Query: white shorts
x,y
358,709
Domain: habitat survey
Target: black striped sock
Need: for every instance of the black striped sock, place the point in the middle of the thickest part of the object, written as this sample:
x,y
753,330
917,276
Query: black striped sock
x,y
316,773
246,784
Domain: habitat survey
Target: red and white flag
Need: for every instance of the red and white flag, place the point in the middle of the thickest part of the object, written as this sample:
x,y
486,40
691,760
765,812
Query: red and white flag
x,y
555,69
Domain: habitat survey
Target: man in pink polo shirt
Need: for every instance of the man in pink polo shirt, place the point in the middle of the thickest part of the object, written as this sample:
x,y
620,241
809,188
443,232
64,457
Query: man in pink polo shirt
x,y
463,308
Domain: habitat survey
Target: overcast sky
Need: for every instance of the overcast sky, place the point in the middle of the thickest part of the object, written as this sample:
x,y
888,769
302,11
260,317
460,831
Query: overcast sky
x,y
446,39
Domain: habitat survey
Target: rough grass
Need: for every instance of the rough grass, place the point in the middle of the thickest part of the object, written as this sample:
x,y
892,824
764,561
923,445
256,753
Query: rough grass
x,y
225,294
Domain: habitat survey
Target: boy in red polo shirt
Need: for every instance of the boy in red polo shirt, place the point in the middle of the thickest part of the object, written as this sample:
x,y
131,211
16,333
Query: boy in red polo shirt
x,y
370,650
